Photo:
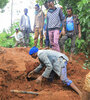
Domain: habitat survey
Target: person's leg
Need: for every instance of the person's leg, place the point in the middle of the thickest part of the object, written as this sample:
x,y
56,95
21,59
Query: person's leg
x,y
24,33
21,44
73,86
36,37
68,82
51,76
41,38
62,42
51,38
47,44
56,41
16,44
27,37
73,38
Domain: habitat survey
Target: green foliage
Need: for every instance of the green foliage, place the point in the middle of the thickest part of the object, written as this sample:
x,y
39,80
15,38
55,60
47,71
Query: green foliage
x,y
84,16
68,45
79,43
31,43
69,3
14,26
3,3
41,2
5,41
86,64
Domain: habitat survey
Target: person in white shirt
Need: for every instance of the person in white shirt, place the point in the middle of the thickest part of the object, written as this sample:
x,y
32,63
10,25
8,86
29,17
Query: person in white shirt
x,y
18,37
25,27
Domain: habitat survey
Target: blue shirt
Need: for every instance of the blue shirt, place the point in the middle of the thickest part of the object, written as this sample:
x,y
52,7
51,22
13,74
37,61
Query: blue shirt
x,y
69,24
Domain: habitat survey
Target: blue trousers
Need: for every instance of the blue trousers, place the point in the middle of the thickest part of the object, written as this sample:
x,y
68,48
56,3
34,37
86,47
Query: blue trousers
x,y
63,76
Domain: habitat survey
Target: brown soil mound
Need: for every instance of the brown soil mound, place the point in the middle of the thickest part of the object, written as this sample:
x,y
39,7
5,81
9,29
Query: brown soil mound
x,y
13,64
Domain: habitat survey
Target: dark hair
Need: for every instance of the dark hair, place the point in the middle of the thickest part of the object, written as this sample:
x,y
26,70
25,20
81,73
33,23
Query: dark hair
x,y
50,1
37,5
69,8
46,5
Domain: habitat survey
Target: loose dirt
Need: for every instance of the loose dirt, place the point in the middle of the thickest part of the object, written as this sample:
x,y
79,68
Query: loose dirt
x,y
16,62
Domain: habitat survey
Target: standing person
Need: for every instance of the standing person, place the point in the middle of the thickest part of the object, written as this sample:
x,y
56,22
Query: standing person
x,y
52,61
47,42
54,20
18,37
38,25
70,30
45,32
25,27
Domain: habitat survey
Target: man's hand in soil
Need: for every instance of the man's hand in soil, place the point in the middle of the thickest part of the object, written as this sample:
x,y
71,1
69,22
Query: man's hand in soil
x,y
39,79
29,75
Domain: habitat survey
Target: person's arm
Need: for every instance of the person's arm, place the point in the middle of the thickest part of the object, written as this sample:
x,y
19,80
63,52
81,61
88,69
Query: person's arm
x,y
63,31
79,30
30,24
21,20
43,17
62,17
12,35
47,22
38,69
34,24
42,23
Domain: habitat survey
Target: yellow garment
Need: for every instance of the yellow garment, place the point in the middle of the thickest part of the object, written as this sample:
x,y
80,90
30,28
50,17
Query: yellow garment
x,y
87,83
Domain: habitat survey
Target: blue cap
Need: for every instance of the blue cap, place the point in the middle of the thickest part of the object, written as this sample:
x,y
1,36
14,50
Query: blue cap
x,y
37,5
33,50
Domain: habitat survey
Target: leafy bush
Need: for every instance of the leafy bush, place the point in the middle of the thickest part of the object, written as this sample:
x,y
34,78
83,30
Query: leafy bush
x,y
3,3
5,41
79,43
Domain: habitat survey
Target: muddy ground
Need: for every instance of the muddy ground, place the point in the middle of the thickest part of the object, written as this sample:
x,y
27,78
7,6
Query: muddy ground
x,y
13,64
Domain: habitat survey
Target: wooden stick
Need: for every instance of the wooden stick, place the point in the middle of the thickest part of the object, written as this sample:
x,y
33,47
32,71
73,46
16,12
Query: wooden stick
x,y
24,92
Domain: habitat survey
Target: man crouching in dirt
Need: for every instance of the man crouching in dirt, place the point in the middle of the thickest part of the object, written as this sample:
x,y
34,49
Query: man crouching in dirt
x,y
55,61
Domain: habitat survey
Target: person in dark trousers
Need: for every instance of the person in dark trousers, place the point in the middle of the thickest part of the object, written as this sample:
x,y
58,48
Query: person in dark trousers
x,y
54,61
70,30
25,27
47,42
